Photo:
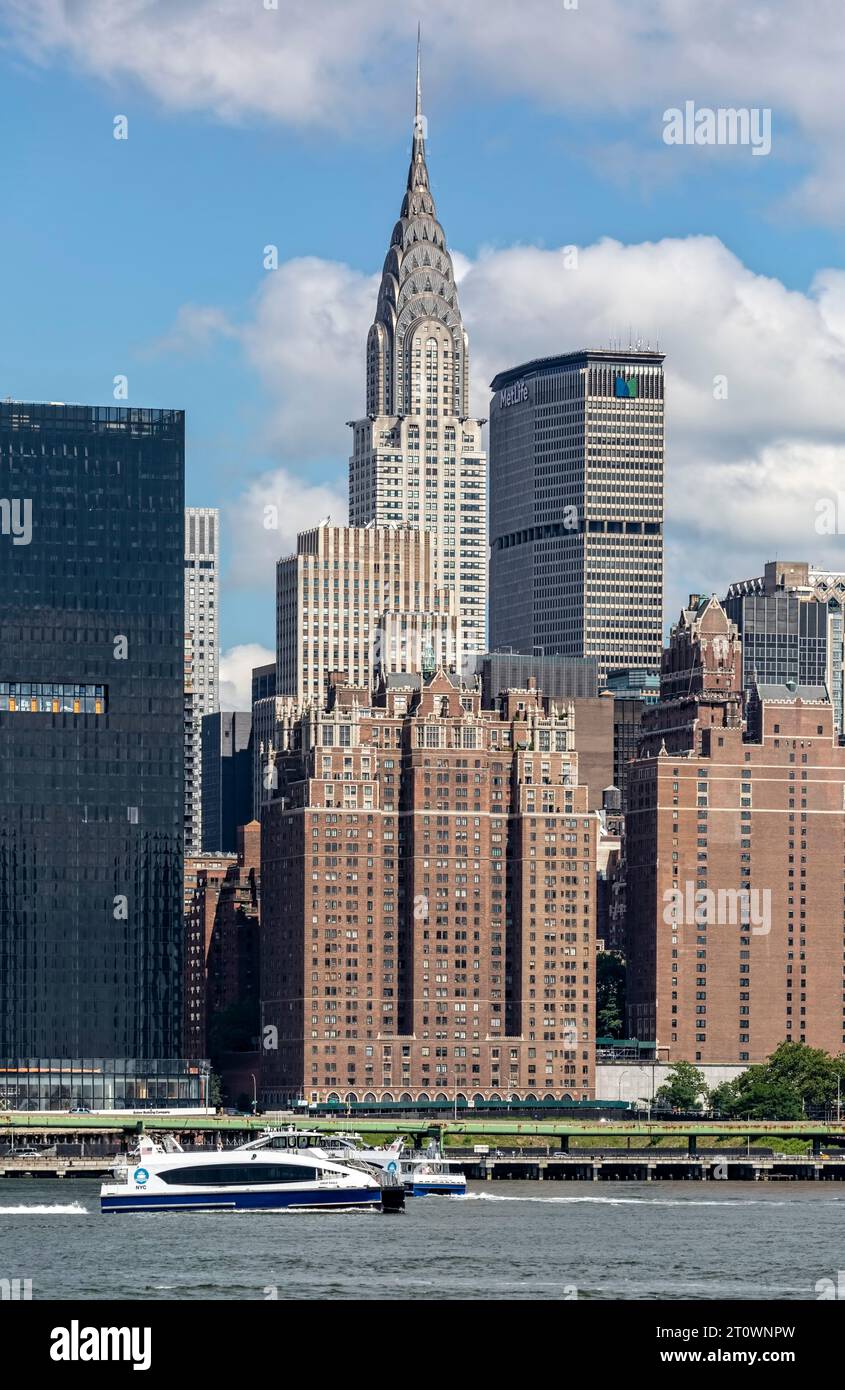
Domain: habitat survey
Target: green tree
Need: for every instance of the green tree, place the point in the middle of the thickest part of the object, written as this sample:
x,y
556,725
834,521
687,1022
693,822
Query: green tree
x,y
781,1088
683,1087
610,994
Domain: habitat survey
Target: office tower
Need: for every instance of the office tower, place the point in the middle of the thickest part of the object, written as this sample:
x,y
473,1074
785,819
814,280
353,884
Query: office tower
x,y
360,600
736,877
263,681
92,750
790,626
226,778
429,880
222,957
417,457
576,507
202,664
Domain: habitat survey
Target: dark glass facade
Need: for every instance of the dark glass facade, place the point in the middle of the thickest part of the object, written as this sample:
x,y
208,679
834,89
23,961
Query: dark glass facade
x,y
91,736
226,779
784,638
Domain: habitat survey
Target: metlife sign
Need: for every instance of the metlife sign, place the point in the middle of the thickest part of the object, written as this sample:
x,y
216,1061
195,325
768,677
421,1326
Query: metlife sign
x,y
513,395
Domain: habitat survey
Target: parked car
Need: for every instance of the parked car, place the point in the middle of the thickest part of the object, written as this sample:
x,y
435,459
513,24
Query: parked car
x,y
80,1110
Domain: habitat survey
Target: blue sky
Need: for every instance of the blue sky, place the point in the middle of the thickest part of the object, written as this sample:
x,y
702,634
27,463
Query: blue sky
x,y
105,242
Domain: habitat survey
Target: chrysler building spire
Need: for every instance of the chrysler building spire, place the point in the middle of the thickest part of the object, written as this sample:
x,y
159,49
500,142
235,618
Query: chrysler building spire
x,y
417,284
418,111
417,457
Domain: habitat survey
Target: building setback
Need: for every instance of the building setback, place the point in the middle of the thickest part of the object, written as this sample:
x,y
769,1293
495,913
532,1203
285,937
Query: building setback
x,y
736,858
576,507
429,873
91,752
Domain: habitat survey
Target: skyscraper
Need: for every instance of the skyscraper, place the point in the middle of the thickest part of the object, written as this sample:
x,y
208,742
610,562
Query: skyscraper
x,y
202,534
417,458
576,507
91,755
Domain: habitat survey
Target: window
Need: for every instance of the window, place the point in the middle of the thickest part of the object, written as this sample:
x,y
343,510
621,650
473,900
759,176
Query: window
x,y
240,1174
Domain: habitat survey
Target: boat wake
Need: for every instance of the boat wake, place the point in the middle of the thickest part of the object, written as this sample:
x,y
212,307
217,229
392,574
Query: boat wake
x,y
59,1209
628,1201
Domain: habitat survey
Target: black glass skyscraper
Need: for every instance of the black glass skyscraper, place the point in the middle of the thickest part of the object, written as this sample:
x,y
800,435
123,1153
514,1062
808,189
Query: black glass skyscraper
x,y
91,742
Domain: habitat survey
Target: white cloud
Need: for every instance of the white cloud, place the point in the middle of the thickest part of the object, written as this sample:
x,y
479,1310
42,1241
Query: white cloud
x,y
743,473
236,674
261,525
310,327
341,66
196,329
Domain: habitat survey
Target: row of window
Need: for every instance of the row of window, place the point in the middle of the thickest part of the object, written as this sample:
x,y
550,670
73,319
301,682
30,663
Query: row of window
x,y
51,698
240,1174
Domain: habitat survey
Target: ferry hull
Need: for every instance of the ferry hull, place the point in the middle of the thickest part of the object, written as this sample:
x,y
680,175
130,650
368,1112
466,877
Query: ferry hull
x,y
242,1201
422,1188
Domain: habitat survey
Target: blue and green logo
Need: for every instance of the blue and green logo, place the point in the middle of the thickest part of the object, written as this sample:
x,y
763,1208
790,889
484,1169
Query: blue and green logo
x,y
625,386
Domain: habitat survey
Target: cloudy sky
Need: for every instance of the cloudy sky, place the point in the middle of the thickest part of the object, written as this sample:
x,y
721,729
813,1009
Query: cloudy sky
x,y
251,126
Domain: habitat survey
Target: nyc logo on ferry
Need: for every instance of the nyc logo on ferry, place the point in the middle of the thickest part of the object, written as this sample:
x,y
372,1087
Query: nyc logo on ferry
x,y
140,1175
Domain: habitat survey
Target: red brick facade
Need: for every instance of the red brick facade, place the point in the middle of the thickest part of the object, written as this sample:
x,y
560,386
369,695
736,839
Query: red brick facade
x,y
428,880
222,924
736,860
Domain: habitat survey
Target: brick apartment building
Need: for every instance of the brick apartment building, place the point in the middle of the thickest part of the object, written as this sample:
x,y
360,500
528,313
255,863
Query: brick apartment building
x,y
428,871
222,924
736,858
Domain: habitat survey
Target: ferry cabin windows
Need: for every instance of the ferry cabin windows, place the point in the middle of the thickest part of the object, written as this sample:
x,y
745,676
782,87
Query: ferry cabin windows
x,y
240,1174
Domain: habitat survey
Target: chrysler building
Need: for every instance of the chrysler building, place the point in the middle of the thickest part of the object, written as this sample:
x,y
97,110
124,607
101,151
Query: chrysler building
x,y
417,456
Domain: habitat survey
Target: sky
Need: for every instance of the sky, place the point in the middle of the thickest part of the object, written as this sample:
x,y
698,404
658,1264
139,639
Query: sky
x,y
251,125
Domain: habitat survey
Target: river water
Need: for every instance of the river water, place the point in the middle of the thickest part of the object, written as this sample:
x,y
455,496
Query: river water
x,y
504,1240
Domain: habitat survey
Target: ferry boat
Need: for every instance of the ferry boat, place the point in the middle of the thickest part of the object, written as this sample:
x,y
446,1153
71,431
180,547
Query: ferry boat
x,y
431,1177
426,1174
274,1173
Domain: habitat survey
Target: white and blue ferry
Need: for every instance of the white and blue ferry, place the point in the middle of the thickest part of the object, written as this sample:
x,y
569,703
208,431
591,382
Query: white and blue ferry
x,y
432,1177
274,1173
426,1174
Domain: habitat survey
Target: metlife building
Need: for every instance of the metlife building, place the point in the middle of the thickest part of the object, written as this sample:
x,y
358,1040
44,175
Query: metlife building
x,y
576,507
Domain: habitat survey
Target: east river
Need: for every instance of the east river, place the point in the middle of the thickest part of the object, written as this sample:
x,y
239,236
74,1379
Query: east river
x,y
504,1240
